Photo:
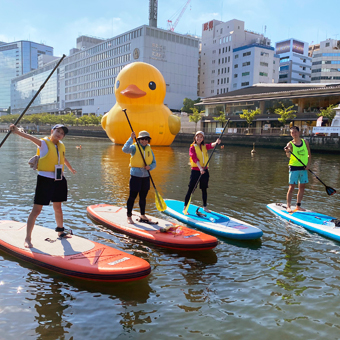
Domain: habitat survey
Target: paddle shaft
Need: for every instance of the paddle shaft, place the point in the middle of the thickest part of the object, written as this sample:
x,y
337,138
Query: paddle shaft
x,y
308,169
226,124
139,148
32,100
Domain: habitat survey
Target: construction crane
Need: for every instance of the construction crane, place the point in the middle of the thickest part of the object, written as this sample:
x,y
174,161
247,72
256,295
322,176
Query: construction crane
x,y
171,27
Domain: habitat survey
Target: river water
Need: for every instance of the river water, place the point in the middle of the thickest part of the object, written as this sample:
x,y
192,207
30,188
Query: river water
x,y
284,286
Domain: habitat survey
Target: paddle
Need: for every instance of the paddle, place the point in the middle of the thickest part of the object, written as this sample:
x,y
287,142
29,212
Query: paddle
x,y
160,204
32,100
187,207
329,190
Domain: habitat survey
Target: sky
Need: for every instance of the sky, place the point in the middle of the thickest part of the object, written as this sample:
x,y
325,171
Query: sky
x,y
59,23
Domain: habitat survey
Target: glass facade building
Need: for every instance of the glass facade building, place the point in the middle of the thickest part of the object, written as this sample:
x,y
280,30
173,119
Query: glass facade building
x,y
16,59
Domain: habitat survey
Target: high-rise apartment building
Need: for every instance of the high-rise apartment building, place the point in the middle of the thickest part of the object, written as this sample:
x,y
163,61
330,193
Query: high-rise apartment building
x,y
16,59
86,78
233,58
326,61
295,64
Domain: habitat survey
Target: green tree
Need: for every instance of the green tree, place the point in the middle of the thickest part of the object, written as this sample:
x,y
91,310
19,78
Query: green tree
x,y
249,115
189,104
221,118
195,116
329,113
286,113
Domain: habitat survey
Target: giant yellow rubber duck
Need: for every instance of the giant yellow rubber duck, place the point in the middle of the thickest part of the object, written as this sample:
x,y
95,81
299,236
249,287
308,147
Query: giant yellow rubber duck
x,y
140,89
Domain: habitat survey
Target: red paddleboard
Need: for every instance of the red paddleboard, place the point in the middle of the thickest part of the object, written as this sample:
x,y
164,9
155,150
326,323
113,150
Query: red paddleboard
x,y
164,234
76,256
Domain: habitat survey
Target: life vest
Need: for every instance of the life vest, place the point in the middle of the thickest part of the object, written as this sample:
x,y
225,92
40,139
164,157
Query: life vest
x,y
48,162
136,161
202,156
301,153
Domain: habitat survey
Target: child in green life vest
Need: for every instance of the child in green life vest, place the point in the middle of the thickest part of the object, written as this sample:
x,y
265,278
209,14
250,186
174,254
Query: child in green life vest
x,y
298,173
51,183
140,179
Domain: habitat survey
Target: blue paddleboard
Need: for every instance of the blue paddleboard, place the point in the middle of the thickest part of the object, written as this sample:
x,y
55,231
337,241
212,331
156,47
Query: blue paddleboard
x,y
213,222
312,221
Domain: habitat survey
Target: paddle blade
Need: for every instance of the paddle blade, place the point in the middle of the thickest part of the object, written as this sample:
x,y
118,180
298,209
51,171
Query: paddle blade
x,y
160,204
187,207
330,191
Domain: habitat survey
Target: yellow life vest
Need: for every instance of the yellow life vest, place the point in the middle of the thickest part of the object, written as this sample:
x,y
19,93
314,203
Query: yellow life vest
x,y
202,156
301,153
48,162
136,161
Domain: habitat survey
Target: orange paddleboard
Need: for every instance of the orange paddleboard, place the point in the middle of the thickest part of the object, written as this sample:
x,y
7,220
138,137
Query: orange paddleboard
x,y
164,234
76,256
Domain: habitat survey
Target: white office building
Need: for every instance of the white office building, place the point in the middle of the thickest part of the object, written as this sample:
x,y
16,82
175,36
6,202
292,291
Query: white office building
x,y
326,61
220,72
295,64
86,78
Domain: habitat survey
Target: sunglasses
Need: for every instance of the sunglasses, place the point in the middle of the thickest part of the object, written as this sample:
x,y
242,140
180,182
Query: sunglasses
x,y
144,138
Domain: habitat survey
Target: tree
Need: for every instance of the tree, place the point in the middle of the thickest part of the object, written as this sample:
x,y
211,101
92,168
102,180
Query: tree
x,y
195,116
329,113
189,104
221,118
249,115
286,113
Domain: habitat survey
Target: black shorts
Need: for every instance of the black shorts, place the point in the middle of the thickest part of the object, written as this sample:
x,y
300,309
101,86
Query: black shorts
x,y
139,183
48,190
204,180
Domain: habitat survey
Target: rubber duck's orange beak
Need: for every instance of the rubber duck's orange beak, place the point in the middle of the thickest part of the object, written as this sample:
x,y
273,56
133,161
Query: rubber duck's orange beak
x,y
132,91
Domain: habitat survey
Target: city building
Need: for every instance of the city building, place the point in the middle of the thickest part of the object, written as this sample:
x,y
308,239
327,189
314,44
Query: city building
x,y
16,59
86,78
295,64
233,58
325,61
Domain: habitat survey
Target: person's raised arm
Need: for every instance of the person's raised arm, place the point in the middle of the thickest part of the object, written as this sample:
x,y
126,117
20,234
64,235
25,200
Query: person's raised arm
x,y
33,139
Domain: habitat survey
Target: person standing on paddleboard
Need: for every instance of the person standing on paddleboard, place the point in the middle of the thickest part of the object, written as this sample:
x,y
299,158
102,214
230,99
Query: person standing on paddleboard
x,y
198,153
140,179
51,183
298,173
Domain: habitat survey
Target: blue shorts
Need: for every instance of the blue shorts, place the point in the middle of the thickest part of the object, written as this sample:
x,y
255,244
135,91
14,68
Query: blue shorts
x,y
298,176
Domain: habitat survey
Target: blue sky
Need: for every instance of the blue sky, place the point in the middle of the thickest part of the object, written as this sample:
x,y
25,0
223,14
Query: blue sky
x,y
59,23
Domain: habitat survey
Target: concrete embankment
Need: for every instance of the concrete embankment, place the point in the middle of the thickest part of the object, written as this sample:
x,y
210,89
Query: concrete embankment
x,y
317,143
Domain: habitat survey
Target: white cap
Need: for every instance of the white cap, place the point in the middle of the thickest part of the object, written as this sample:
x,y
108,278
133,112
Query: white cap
x,y
199,132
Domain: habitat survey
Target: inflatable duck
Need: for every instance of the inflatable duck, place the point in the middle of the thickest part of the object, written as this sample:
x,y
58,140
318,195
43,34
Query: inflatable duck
x,y
140,89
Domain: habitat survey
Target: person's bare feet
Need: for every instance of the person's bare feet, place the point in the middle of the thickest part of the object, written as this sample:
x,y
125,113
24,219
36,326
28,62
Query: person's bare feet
x,y
129,220
299,209
28,243
289,210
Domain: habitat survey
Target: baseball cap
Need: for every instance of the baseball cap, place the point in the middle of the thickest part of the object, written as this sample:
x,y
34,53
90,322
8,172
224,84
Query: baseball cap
x,y
199,132
61,126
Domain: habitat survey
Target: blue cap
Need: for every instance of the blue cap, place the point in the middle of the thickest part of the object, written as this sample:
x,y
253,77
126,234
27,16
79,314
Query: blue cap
x,y
61,126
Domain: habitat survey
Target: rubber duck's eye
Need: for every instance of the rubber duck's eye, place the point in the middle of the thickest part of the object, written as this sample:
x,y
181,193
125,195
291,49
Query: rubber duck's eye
x,y
117,84
152,85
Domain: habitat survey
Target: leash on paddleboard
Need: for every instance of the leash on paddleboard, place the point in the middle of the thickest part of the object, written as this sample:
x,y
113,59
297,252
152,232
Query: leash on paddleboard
x,y
329,190
160,204
205,167
32,100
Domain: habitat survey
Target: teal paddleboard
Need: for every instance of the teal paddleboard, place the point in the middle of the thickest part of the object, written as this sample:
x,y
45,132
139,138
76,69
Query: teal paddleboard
x,y
213,222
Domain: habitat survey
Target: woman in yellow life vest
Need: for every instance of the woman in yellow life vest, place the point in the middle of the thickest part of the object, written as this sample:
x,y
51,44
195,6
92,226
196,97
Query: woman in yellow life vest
x,y
140,179
198,153
51,183
298,173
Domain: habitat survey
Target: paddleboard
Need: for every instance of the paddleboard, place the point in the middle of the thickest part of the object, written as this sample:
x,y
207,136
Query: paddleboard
x,y
312,221
174,236
76,256
213,222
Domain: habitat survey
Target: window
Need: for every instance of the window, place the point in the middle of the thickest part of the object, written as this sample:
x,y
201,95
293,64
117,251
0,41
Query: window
x,y
245,83
281,76
218,71
236,56
265,54
284,68
263,74
263,63
235,75
245,54
246,63
245,74
236,66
